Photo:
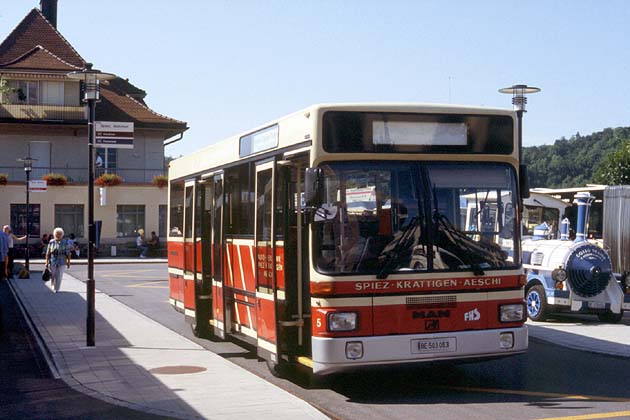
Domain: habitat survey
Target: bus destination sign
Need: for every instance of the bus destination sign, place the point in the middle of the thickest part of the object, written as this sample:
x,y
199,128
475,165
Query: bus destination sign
x,y
114,134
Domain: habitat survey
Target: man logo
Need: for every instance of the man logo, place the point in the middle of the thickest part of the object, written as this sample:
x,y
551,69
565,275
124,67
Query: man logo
x,y
473,315
432,324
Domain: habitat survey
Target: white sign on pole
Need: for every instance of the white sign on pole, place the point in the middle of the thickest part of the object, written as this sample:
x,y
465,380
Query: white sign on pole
x,y
38,185
114,134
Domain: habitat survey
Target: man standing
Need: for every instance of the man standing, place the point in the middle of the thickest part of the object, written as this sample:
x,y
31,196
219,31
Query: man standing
x,y
11,238
4,255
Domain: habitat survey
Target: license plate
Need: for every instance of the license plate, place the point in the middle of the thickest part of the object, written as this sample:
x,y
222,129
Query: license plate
x,y
434,345
597,305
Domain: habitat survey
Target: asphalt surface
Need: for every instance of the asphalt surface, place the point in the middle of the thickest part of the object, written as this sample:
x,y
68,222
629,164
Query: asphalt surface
x,y
27,389
548,382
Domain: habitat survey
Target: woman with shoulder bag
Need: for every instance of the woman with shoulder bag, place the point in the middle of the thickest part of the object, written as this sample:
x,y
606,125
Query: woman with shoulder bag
x,y
57,254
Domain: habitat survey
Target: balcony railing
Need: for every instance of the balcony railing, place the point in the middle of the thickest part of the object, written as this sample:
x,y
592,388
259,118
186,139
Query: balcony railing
x,y
80,175
42,112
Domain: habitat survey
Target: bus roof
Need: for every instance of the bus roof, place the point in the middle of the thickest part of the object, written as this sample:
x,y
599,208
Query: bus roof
x,y
300,127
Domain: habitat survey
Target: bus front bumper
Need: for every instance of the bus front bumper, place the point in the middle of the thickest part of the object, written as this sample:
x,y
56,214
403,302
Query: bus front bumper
x,y
337,354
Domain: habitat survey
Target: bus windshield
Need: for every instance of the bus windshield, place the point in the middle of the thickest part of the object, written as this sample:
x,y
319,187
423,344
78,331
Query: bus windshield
x,y
389,217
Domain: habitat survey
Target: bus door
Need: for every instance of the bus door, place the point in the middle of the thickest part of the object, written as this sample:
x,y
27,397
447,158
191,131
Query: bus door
x,y
265,263
189,251
217,248
203,257
292,286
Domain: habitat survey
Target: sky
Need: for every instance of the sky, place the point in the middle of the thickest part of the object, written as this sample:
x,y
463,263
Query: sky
x,y
226,67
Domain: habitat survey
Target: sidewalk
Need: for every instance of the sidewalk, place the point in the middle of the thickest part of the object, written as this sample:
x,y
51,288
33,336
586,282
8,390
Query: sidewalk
x,y
140,364
27,389
83,261
584,333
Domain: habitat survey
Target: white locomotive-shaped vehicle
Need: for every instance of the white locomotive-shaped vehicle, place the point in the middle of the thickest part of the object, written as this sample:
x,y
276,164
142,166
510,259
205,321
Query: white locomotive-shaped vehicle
x,y
571,276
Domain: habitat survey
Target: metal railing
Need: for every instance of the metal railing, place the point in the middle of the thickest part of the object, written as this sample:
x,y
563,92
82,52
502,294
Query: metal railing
x,y
42,112
80,175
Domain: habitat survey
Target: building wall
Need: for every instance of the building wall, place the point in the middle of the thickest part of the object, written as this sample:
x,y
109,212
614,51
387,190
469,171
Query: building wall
x,y
149,196
69,155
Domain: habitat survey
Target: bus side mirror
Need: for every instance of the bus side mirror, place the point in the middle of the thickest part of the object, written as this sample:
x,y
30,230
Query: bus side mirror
x,y
312,188
523,181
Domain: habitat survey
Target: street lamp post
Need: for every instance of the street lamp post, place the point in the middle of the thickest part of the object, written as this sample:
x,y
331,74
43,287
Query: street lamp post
x,y
519,101
91,79
28,167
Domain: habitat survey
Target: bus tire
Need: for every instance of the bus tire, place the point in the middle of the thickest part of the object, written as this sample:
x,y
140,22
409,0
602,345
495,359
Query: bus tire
x,y
536,301
610,317
277,370
199,330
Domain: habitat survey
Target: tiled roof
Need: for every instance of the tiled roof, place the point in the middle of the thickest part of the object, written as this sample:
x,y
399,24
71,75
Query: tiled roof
x,y
36,30
118,105
35,47
39,58
126,86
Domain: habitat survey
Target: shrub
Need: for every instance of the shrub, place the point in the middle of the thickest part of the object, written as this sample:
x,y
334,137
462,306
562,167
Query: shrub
x,y
108,180
160,181
4,178
55,179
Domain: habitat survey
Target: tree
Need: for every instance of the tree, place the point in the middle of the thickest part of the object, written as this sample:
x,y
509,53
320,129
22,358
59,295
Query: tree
x,y
615,168
4,91
572,162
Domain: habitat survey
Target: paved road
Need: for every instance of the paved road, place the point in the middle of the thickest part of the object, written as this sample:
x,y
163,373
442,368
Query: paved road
x,y
27,390
547,383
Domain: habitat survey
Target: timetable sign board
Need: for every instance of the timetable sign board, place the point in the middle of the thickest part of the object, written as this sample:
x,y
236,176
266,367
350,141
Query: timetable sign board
x,y
37,185
114,134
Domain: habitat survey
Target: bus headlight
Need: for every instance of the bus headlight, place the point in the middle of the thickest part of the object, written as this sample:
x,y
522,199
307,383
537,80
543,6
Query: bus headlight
x,y
559,275
354,350
514,312
342,321
506,340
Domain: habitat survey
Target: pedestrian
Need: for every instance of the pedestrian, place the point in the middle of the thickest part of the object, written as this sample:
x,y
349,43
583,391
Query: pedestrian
x,y
43,244
154,242
141,244
74,246
11,238
57,254
4,256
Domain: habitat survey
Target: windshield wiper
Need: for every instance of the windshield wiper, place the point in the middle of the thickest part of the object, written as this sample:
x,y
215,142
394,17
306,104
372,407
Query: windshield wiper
x,y
392,256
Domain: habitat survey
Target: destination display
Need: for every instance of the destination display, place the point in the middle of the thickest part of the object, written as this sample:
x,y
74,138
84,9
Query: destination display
x,y
409,133
261,140
372,132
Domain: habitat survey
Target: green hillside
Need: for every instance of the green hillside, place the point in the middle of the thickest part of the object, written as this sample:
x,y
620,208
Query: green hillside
x,y
572,162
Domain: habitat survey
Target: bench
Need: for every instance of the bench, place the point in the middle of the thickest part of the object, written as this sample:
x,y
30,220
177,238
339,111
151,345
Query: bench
x,y
129,249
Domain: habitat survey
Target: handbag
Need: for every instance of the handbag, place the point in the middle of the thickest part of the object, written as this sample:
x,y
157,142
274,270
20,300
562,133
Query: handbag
x,y
46,274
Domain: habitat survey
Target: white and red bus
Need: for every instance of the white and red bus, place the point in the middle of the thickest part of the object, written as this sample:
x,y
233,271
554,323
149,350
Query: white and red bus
x,y
337,237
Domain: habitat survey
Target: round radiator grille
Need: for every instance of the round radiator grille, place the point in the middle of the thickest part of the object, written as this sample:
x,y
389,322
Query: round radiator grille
x,y
589,270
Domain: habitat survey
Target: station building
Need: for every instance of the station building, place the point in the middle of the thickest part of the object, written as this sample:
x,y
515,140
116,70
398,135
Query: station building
x,y
42,116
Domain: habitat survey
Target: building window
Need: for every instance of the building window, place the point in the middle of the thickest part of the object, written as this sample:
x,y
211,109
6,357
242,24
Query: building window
x,y
163,210
52,93
18,219
69,217
130,218
24,92
106,160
